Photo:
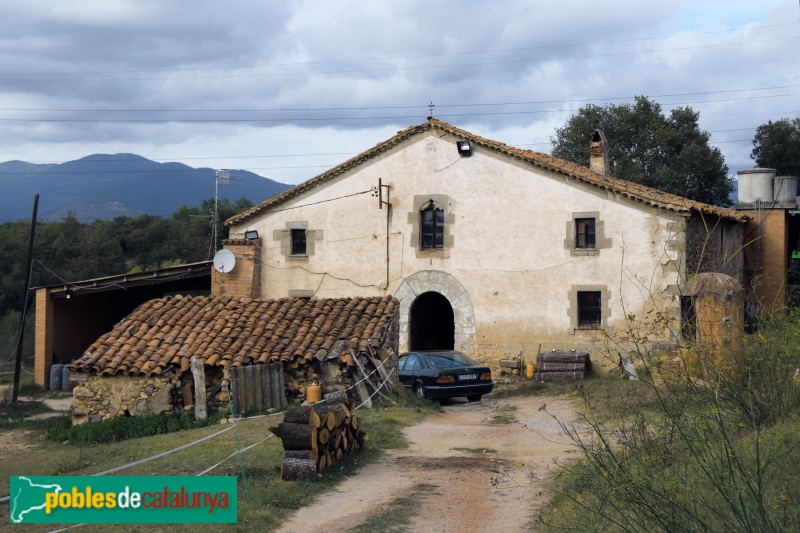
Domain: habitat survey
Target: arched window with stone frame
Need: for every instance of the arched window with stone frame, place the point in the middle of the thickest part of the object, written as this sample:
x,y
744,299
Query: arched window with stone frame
x,y
432,220
431,224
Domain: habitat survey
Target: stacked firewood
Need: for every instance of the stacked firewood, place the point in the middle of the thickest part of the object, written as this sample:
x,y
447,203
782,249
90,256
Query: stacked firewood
x,y
316,436
556,365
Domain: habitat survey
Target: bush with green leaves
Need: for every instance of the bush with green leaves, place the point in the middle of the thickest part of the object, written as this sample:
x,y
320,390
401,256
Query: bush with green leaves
x,y
712,454
123,428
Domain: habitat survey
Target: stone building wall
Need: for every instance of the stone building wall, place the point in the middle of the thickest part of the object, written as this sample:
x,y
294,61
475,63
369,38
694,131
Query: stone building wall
x,y
97,398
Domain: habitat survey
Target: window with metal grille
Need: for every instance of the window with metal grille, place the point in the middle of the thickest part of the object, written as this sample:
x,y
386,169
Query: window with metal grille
x,y
431,228
589,309
298,242
585,233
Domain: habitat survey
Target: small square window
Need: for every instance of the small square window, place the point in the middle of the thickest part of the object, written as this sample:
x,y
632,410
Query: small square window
x,y
298,242
585,233
589,309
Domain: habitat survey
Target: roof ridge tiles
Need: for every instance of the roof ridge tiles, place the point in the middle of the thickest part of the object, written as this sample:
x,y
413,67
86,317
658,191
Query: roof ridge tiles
x,y
644,194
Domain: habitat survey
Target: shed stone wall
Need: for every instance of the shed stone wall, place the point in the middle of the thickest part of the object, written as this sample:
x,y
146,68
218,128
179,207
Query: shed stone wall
x,y
97,398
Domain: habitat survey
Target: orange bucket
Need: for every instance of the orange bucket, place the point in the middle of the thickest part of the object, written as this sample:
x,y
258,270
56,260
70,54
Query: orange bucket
x,y
313,393
529,370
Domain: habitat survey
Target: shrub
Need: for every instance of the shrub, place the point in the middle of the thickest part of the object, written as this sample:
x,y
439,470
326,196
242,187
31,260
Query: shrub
x,y
123,428
716,454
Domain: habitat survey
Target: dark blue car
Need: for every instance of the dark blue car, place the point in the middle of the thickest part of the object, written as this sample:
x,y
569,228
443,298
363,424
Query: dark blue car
x,y
444,374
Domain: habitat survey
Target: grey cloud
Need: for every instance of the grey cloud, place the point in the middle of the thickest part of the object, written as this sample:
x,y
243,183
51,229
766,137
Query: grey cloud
x,y
122,56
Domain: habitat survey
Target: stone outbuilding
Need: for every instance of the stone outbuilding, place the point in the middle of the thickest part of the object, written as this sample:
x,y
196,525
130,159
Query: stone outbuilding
x,y
143,364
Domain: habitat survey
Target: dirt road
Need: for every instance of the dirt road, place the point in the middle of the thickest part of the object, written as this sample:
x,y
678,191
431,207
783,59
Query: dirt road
x,y
475,467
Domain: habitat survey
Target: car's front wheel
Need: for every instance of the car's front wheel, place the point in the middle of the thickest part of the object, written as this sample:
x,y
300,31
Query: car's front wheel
x,y
419,390
474,397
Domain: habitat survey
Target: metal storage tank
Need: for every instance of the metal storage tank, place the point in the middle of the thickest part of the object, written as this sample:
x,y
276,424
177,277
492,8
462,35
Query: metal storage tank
x,y
785,189
55,376
66,386
756,184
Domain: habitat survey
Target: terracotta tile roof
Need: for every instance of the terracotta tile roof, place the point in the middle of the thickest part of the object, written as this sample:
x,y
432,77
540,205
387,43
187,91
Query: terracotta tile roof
x,y
627,189
223,332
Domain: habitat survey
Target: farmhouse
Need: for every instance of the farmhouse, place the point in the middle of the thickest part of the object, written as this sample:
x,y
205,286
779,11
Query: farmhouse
x,y
439,239
489,249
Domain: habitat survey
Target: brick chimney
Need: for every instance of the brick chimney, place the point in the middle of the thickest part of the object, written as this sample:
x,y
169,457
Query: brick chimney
x,y
244,281
598,153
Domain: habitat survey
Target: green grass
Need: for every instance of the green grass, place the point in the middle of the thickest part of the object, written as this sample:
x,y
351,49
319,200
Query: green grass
x,y
475,450
721,453
124,428
397,515
521,388
504,414
268,501
12,414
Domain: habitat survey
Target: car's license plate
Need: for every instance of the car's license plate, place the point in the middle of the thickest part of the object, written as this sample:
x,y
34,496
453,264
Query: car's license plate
x,y
465,377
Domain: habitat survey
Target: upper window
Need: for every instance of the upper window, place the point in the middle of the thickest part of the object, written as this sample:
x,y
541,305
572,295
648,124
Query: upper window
x,y
299,242
585,233
431,228
590,309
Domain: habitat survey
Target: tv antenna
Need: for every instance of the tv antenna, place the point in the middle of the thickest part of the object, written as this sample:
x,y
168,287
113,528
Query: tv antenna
x,y
222,176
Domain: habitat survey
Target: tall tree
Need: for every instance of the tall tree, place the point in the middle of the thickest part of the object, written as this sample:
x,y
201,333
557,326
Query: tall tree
x,y
669,153
777,145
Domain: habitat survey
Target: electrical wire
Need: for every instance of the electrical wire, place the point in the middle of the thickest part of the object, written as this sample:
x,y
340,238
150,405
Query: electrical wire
x,y
377,108
401,67
256,120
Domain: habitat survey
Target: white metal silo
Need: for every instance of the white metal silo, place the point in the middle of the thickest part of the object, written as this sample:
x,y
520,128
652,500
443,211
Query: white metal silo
x,y
756,184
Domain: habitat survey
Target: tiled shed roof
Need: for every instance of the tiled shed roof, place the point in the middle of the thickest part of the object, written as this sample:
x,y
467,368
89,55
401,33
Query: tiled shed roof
x,y
167,332
627,189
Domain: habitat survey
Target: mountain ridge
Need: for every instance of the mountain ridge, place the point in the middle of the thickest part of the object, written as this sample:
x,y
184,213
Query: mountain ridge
x,y
124,184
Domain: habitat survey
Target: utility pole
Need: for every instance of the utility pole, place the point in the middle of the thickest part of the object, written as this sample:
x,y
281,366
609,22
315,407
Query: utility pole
x,y
18,364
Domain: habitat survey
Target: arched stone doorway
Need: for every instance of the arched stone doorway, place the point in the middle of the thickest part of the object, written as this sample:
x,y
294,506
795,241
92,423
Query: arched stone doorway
x,y
450,289
431,323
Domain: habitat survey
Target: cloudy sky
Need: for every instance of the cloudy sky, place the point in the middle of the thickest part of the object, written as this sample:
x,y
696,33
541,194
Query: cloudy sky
x,y
288,89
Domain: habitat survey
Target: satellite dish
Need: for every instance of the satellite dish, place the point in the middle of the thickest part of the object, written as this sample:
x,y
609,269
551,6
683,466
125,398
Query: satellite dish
x,y
224,261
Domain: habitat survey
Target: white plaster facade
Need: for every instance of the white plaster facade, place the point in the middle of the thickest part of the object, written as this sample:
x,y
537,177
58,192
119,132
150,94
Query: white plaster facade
x,y
508,268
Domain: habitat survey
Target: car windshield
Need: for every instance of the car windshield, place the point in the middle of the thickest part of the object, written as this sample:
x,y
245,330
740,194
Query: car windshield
x,y
449,360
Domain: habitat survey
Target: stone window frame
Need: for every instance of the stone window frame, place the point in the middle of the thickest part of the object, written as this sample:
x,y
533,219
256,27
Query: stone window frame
x,y
301,293
284,236
440,201
600,239
432,210
605,307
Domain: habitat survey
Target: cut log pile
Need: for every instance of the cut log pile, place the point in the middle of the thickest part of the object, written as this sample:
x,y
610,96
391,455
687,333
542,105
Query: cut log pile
x,y
555,365
316,436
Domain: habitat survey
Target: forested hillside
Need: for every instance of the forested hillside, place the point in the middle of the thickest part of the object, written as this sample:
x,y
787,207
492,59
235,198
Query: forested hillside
x,y
68,250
